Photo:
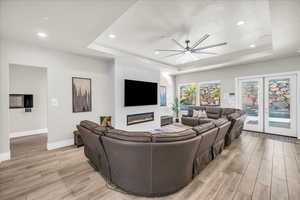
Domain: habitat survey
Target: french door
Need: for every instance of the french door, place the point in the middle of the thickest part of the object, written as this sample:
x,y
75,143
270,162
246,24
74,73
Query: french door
x,y
280,105
251,101
270,104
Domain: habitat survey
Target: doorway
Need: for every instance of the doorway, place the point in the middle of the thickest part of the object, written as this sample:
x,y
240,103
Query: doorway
x,y
270,102
28,129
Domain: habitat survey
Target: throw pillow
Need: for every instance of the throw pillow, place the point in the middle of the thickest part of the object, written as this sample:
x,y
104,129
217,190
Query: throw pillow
x,y
202,114
196,113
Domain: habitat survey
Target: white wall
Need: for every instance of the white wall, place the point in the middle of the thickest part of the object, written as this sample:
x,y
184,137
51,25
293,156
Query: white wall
x,y
28,80
227,75
168,81
61,67
134,70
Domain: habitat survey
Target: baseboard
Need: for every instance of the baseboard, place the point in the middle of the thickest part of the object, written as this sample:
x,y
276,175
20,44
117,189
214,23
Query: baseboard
x,y
4,156
27,133
59,144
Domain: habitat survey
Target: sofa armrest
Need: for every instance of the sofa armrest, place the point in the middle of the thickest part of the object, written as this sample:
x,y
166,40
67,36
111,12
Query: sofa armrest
x,y
189,121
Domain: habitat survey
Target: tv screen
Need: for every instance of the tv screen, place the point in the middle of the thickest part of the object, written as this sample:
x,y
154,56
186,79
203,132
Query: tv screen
x,y
140,93
28,101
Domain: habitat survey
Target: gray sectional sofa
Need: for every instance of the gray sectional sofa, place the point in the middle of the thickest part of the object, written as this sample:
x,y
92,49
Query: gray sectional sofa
x,y
152,164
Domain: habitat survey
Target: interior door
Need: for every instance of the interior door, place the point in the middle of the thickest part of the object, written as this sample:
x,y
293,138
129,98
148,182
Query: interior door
x,y
251,101
280,105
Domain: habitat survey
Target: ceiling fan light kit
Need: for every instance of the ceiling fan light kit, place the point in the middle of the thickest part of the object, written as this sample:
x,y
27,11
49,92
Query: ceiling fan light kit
x,y
191,49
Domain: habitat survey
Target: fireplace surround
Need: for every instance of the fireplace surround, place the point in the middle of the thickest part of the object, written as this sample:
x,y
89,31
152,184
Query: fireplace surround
x,y
140,118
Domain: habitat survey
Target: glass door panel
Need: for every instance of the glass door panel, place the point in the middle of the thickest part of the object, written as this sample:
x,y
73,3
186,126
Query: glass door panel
x,y
280,105
251,101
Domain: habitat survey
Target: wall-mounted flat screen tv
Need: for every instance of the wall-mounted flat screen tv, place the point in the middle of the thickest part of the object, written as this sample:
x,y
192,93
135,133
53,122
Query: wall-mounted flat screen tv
x,y
140,93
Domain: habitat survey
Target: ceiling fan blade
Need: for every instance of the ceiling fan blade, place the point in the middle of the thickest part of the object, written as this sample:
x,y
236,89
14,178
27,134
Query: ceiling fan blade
x,y
210,46
171,50
171,55
205,52
180,45
200,41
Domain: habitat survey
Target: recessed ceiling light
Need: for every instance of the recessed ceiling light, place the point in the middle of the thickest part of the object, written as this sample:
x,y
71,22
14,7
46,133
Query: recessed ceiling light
x,y
112,36
42,34
240,23
45,18
298,50
156,52
252,46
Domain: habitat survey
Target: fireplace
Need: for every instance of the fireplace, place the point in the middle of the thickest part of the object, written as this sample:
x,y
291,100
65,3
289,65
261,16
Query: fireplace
x,y
140,118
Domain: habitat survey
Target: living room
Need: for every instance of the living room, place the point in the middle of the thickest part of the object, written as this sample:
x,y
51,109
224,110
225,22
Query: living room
x,y
127,99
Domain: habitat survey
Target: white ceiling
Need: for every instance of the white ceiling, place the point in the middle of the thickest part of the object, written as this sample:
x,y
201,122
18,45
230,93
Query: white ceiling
x,y
141,26
71,24
149,25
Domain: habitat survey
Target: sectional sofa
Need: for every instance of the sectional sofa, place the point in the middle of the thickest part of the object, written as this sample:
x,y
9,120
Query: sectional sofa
x,y
152,164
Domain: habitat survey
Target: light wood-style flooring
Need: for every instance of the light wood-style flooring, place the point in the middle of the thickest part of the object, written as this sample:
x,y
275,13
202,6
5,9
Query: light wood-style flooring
x,y
255,166
28,145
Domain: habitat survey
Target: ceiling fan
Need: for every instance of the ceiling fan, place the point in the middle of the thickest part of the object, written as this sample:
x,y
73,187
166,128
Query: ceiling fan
x,y
193,49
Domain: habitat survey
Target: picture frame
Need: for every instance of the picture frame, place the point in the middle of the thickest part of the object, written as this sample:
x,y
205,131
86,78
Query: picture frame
x,y
81,94
163,95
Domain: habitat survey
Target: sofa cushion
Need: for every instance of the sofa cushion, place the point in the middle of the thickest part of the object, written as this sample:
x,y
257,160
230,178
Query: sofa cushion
x,y
204,127
213,112
220,121
128,135
174,136
100,130
94,127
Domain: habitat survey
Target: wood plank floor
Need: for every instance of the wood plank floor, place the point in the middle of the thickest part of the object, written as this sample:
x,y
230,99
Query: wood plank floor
x,y
255,166
28,145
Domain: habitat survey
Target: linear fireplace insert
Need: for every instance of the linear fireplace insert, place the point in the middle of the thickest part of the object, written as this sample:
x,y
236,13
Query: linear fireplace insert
x,y
140,118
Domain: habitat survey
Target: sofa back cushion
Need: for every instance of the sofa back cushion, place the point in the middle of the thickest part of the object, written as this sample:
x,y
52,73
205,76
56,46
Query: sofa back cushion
x,y
223,130
203,128
130,164
94,127
175,136
128,135
89,124
213,112
208,138
172,165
